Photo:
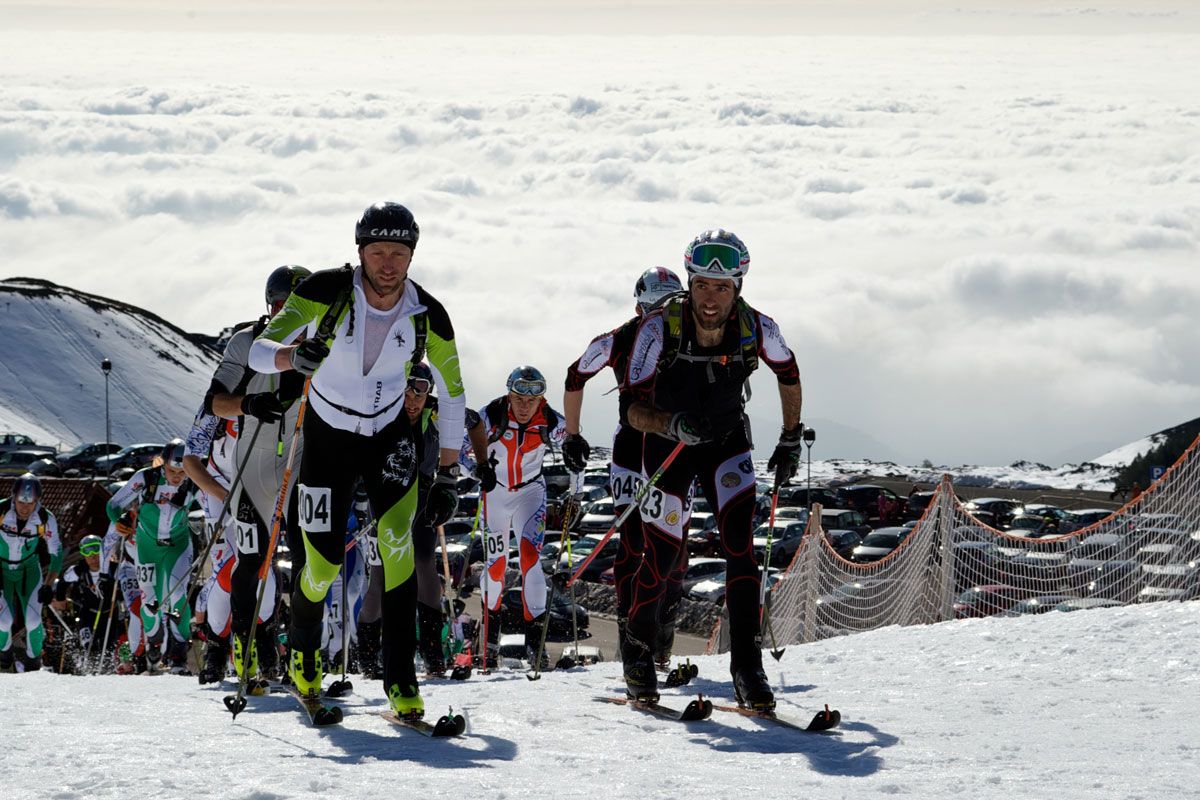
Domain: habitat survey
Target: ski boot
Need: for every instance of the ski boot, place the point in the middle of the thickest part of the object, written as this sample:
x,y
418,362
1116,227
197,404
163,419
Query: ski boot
x,y
239,656
431,623
6,661
535,652
368,650
406,702
751,689
216,662
641,680
154,656
306,672
267,646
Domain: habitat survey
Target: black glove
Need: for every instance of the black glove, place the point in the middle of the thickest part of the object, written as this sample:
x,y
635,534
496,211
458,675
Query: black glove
x,y
786,458
575,452
308,355
264,405
45,594
443,497
689,428
485,473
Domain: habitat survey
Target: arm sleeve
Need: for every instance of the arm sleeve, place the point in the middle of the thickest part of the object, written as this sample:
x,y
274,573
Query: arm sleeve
x,y
230,375
558,434
112,539
123,499
200,438
54,544
295,315
643,360
775,353
597,356
442,355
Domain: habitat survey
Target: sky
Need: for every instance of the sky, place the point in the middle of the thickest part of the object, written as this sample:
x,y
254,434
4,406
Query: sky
x,y
981,245
1091,704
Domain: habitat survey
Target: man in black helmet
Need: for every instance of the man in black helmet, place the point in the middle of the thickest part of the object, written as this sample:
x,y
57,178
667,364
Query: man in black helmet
x,y
264,406
361,331
690,361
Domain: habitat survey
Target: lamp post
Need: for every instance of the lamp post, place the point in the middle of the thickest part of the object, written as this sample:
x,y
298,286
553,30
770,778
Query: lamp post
x,y
105,367
810,436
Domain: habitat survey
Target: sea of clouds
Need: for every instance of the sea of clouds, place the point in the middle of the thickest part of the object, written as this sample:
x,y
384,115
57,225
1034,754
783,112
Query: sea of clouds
x,y
981,248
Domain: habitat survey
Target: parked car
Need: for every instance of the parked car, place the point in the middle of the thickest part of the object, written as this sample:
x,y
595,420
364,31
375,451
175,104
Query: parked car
x,y
916,504
984,601
1168,572
700,569
583,548
1086,517
83,456
597,517
977,563
800,497
855,605
1086,602
843,542
46,467
878,544
703,536
844,519
512,613
785,541
19,441
1001,509
557,476
1045,571
712,589
865,498
1039,604
1102,565
17,462
135,455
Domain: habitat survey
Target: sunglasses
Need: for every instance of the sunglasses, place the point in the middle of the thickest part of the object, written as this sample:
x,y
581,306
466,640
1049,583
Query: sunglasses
x,y
419,385
90,549
528,387
716,258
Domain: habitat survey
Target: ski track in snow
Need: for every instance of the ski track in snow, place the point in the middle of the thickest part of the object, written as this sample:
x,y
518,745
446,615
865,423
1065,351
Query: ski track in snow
x,y
1099,704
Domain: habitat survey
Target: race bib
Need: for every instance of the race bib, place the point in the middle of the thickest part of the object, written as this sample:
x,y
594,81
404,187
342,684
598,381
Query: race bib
x,y
145,574
314,509
371,545
247,538
625,487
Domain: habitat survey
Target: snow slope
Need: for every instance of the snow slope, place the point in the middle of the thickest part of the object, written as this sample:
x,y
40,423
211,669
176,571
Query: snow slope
x,y
51,386
1096,704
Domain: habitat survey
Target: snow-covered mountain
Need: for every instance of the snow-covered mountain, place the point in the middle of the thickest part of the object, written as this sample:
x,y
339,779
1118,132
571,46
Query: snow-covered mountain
x,y
51,384
1091,704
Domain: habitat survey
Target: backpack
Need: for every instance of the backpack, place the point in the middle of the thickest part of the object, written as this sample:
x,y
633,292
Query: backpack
x,y
497,418
672,308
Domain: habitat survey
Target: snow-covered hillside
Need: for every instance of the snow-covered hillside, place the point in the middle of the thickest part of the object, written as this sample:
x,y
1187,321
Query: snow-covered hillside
x,y
1018,475
51,385
1093,704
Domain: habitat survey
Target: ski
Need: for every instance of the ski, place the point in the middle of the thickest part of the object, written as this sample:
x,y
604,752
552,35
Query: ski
x,y
319,714
821,721
447,726
696,710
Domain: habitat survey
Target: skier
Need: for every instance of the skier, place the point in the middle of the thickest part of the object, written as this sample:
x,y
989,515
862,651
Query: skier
x,y
27,529
510,437
363,328
690,360
612,349
264,402
83,595
209,461
162,494
120,552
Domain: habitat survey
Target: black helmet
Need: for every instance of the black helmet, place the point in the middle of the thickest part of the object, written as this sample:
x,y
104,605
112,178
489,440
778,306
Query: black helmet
x,y
282,281
387,222
172,453
27,488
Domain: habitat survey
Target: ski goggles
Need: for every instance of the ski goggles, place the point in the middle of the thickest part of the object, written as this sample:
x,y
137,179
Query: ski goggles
x,y
420,385
717,260
89,549
528,387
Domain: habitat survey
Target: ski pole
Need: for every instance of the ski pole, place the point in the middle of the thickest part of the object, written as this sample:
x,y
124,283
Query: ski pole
x,y
237,703
637,500
462,573
763,615
341,687
112,612
576,480
198,564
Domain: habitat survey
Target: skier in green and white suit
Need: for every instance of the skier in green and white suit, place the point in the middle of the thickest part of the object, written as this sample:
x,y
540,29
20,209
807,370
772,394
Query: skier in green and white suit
x,y
363,329
163,494
24,524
